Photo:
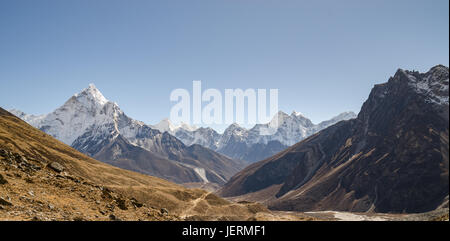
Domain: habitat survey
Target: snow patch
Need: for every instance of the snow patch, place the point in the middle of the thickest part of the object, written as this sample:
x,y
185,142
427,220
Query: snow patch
x,y
201,173
434,89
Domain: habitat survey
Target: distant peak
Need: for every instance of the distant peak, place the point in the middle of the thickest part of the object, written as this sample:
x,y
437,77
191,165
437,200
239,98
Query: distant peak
x,y
439,67
92,86
233,127
280,112
167,125
91,93
16,112
279,116
295,113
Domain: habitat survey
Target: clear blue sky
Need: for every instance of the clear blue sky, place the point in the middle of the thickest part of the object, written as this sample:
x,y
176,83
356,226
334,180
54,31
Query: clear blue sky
x,y
323,56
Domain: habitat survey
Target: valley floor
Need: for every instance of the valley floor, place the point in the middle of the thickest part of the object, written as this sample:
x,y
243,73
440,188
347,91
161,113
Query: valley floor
x,y
437,215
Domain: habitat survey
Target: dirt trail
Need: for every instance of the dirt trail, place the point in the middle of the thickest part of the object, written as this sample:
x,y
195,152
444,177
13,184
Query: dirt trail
x,y
193,204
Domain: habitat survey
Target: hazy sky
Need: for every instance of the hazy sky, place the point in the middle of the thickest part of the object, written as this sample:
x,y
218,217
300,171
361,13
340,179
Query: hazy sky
x,y
323,56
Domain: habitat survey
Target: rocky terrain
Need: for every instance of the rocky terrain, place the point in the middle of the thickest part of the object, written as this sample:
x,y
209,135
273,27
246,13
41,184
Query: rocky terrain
x,y
393,158
32,190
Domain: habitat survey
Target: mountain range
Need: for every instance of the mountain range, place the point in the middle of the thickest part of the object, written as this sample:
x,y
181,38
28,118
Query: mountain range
x,y
394,157
183,154
98,127
251,145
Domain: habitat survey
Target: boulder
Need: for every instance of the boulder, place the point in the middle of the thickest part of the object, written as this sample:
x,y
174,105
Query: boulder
x,y
164,211
121,203
4,202
55,166
2,180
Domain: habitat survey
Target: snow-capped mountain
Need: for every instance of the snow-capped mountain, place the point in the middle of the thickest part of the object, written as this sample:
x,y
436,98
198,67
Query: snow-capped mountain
x,y
99,128
343,116
206,137
290,129
253,144
167,125
73,118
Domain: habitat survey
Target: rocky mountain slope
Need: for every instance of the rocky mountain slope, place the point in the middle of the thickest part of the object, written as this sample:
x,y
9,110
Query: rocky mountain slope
x,y
252,144
98,127
392,158
42,178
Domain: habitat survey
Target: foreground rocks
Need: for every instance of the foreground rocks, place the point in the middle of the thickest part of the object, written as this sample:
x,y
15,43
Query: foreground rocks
x,y
32,192
2,180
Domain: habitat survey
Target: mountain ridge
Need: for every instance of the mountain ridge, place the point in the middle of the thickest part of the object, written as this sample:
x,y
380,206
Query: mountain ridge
x,y
252,144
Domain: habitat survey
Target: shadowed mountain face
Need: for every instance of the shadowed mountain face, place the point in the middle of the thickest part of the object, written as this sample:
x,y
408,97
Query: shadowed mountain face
x,y
98,127
117,151
165,157
392,158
